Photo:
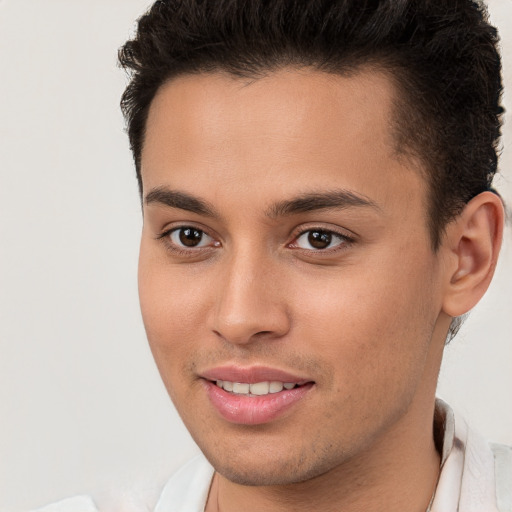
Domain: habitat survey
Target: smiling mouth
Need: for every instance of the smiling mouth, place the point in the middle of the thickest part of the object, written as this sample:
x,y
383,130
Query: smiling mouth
x,y
257,401
256,388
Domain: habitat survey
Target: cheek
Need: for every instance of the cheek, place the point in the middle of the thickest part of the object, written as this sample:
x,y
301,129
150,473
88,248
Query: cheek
x,y
170,294
370,321
169,306
172,303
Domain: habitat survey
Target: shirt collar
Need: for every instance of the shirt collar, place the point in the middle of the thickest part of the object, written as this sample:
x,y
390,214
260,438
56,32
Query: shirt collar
x,y
466,481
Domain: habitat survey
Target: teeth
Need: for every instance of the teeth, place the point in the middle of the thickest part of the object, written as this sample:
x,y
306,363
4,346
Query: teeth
x,y
275,387
241,388
256,389
260,388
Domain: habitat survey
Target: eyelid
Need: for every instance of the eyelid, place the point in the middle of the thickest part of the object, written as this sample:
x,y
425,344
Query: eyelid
x,y
348,238
164,237
173,226
203,242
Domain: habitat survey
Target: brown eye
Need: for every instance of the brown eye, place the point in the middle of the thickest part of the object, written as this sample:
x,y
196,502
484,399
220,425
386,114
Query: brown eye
x,y
189,237
319,239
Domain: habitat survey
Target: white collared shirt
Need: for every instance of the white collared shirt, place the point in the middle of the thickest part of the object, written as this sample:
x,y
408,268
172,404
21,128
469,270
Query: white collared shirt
x,y
469,480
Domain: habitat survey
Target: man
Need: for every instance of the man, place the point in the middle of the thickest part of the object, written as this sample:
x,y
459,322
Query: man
x,y
316,182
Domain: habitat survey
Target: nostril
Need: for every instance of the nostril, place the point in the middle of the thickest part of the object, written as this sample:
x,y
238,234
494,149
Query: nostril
x,y
262,334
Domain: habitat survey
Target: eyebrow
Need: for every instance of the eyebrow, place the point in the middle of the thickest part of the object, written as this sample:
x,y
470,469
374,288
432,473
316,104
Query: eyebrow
x,y
333,199
180,200
307,202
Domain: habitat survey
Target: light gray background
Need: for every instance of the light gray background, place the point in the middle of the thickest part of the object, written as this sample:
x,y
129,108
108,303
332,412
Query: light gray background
x,y
81,404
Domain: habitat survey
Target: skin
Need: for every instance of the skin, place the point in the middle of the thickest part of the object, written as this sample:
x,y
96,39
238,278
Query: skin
x,y
365,318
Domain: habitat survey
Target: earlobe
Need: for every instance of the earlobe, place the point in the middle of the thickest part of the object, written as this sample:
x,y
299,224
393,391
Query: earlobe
x,y
473,240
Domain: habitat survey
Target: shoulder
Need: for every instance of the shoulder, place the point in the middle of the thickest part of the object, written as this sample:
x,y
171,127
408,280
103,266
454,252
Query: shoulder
x,y
503,474
75,504
187,490
475,475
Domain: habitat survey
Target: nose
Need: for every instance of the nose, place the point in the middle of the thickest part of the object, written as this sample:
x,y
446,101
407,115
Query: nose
x,y
250,301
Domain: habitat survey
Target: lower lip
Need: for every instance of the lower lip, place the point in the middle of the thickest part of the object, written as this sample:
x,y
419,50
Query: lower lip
x,y
254,410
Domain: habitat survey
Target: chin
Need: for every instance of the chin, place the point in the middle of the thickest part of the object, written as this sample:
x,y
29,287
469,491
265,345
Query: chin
x,y
266,477
269,470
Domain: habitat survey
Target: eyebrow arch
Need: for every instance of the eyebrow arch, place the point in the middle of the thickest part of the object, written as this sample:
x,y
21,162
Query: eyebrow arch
x,y
180,200
333,199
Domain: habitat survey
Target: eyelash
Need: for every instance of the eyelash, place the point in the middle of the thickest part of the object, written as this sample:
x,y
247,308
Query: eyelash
x,y
179,250
346,241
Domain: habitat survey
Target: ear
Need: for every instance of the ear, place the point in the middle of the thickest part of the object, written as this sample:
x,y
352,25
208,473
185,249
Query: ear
x,y
472,242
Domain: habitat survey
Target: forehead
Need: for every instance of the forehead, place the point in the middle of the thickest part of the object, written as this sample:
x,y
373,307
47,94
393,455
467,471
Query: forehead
x,y
288,104
292,129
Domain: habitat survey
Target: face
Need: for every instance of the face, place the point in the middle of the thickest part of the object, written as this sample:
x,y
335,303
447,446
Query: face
x,y
288,289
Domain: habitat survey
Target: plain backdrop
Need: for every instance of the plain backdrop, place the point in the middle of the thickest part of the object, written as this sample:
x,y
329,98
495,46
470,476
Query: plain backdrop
x,y
81,404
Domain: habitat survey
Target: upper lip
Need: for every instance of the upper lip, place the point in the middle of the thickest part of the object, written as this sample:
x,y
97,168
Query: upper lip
x,y
251,374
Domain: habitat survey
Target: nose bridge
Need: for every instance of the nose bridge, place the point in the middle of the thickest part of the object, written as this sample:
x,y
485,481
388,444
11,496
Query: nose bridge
x,y
249,301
